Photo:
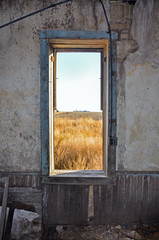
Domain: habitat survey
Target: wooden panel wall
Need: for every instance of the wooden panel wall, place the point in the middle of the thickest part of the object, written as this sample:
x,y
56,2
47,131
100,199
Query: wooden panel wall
x,y
24,192
65,204
134,199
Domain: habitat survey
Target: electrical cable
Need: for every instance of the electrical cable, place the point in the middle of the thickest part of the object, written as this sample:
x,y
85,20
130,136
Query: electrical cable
x,y
33,13
105,14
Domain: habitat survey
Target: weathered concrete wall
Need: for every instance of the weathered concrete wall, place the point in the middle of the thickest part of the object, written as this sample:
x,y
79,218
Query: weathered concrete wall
x,y
138,88
20,73
137,56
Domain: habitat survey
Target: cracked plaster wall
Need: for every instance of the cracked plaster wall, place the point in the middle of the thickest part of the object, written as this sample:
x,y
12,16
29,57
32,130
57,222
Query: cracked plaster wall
x,y
138,91
20,72
137,78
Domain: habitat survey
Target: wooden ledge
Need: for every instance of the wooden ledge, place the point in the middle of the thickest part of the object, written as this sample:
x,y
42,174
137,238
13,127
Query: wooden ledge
x,y
89,177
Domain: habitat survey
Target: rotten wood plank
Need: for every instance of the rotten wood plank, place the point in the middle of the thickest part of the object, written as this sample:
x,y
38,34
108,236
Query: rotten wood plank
x,y
103,217
80,180
65,204
4,206
109,192
79,204
97,202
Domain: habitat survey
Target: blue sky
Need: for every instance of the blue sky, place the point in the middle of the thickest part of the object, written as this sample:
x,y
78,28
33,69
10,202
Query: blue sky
x,y
78,81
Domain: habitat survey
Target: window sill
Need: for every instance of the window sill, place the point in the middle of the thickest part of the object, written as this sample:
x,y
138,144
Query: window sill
x,y
83,177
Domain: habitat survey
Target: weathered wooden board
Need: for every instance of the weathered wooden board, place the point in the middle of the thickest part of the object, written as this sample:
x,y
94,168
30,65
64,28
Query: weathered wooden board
x,y
4,207
133,199
65,204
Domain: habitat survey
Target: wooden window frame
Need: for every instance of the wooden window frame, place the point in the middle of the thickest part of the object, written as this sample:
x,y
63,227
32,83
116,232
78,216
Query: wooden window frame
x,y
71,41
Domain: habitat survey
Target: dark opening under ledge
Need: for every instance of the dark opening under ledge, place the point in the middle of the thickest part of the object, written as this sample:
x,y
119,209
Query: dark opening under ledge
x,y
79,177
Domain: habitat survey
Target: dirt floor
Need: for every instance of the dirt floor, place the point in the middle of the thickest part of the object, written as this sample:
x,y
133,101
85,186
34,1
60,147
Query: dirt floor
x,y
145,232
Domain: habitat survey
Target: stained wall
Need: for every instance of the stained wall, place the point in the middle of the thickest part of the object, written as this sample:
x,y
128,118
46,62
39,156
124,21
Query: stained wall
x,y
20,73
137,90
137,78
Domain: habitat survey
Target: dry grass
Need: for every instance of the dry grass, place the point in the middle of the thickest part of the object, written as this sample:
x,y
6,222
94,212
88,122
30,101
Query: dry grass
x,y
78,143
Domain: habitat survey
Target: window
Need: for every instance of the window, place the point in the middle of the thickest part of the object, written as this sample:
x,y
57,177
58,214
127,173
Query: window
x,y
77,112
54,43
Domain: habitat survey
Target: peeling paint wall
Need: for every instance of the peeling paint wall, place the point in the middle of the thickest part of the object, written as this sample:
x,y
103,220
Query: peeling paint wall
x,y
138,89
137,78
20,73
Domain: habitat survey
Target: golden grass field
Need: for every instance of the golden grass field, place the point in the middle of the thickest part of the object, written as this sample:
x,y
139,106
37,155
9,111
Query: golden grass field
x,y
78,140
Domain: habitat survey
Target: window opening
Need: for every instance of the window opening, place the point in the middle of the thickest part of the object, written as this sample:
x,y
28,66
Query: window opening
x,y
68,47
78,118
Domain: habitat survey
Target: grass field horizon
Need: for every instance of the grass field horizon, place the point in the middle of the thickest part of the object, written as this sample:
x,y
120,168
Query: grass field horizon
x,y
78,114
78,140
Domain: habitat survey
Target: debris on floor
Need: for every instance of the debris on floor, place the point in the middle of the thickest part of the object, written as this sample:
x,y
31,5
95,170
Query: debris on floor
x,y
24,225
144,232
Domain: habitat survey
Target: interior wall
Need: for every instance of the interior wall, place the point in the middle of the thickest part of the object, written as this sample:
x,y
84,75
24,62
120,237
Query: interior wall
x,y
138,87
20,73
137,78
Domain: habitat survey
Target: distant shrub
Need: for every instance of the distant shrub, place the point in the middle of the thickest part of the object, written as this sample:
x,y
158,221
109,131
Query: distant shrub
x,y
78,143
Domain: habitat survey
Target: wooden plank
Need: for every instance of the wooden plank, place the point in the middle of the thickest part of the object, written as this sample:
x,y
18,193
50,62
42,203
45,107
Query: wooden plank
x,y
151,206
109,197
50,204
153,199
78,204
63,206
52,97
79,180
122,197
82,205
23,179
87,50
105,109
145,199
114,202
119,207
128,204
156,191
139,197
72,216
79,173
133,198
97,202
156,198
133,212
90,204
54,79
4,207
94,46
103,217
